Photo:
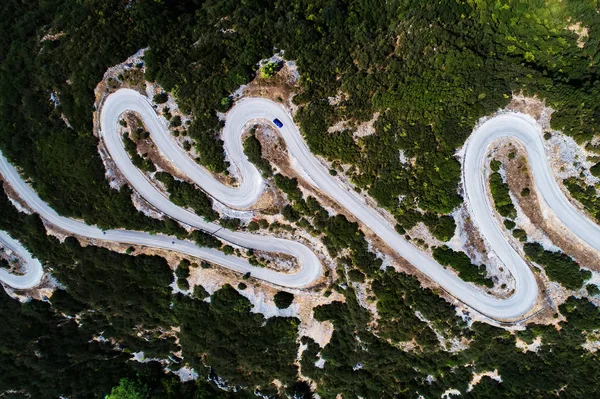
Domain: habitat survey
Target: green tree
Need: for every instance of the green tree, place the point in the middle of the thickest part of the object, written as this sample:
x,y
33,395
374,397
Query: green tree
x,y
269,70
128,389
160,98
283,299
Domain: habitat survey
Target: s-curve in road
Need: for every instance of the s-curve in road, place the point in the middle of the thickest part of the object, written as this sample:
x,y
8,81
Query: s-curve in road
x,y
34,271
309,272
524,129
243,196
129,100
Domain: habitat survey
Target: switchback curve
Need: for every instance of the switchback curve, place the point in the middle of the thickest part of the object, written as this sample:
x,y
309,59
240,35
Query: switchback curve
x,y
34,271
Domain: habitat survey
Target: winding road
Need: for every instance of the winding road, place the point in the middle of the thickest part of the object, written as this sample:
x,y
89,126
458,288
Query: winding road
x,y
34,272
515,126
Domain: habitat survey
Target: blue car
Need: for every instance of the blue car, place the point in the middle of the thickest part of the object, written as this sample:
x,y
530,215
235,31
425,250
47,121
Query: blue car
x,y
277,123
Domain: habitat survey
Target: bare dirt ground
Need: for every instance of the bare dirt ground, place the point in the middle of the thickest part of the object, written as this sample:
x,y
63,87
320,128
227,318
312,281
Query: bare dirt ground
x,y
360,129
478,376
532,106
51,36
581,31
518,178
147,148
280,88
274,148
128,74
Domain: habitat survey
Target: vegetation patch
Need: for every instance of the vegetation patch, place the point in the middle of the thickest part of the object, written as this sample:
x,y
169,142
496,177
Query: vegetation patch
x,y
460,262
140,162
283,299
253,150
558,266
188,195
586,195
500,194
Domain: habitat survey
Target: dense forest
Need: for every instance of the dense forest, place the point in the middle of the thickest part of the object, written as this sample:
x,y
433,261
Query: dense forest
x,y
429,69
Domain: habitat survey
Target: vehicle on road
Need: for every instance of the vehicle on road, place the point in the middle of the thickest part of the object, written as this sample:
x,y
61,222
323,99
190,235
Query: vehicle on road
x,y
278,123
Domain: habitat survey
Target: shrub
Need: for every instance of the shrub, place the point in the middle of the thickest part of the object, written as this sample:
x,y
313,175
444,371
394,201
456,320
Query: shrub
x,y
128,389
495,165
283,299
500,193
200,292
442,227
230,223
160,98
183,272
356,276
203,239
509,224
263,224
269,70
592,289
290,214
175,121
225,103
460,262
519,234
188,195
595,170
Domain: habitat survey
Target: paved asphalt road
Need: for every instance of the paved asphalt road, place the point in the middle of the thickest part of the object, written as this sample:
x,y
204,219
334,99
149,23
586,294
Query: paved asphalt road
x,y
517,126
305,277
34,272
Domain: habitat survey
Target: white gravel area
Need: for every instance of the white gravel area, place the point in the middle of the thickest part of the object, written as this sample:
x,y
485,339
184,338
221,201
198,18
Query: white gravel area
x,y
186,374
532,347
265,305
478,376
568,159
